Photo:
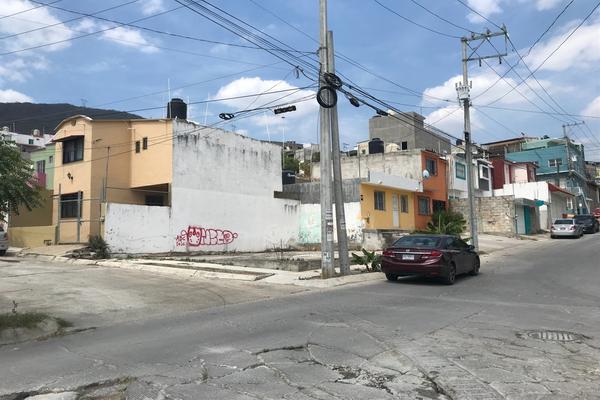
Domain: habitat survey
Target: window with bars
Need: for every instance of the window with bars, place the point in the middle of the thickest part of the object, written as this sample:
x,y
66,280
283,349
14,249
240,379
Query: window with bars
x,y
68,205
380,201
72,150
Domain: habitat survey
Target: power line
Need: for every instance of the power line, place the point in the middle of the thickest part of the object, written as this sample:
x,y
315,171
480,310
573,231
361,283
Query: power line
x,y
440,17
476,12
178,35
552,53
67,21
416,23
29,9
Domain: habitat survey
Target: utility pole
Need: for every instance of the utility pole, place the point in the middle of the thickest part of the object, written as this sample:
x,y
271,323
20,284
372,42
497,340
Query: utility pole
x,y
327,269
338,190
464,97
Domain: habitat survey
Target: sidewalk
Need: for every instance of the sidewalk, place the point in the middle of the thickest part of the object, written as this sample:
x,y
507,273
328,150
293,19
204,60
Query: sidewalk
x,y
220,266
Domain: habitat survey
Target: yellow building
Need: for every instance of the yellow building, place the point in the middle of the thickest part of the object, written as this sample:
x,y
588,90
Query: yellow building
x,y
99,161
384,207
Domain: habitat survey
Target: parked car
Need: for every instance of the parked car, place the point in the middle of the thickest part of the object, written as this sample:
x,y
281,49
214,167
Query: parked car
x,y
566,227
435,256
590,224
3,241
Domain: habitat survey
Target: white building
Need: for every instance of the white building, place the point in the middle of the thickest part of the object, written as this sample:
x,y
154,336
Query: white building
x,y
26,143
457,175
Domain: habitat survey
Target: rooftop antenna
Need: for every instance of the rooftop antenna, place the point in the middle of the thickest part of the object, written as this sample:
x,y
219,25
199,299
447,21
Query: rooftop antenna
x,y
206,108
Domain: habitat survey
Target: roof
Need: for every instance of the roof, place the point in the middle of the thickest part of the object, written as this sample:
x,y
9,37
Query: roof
x,y
517,139
554,188
108,120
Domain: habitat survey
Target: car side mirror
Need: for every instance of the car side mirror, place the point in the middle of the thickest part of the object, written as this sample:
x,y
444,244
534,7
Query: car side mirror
x,y
471,247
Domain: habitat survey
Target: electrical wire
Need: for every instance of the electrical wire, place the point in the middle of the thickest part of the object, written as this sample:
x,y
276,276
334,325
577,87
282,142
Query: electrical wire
x,y
416,23
177,35
29,9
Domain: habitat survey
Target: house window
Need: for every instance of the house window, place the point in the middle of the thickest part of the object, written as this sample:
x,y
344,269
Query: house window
x,y
154,200
73,150
461,171
569,203
438,205
137,146
424,206
30,141
485,172
484,178
555,162
50,159
145,143
380,201
404,203
404,145
431,166
40,167
68,205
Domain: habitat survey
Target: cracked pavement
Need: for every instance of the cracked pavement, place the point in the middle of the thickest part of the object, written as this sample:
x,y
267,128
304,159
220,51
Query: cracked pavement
x,y
412,339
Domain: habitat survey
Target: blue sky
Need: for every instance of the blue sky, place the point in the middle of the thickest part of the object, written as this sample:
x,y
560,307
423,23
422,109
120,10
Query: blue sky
x,y
106,68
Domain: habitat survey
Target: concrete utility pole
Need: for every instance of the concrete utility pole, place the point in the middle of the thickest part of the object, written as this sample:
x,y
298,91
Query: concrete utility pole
x,y
327,268
464,97
338,191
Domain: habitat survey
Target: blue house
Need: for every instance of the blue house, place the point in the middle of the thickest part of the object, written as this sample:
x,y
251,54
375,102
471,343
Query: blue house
x,y
560,163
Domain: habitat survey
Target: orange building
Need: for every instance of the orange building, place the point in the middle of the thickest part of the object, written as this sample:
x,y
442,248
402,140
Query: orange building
x,y
435,188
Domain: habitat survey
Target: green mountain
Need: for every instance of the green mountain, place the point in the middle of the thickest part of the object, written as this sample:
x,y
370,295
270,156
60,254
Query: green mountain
x,y
25,117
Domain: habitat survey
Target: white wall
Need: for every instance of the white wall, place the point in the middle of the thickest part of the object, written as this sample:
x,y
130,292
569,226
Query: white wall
x,y
310,223
132,228
223,193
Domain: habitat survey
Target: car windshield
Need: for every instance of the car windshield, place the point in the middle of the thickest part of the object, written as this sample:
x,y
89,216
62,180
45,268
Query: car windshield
x,y
423,242
583,218
563,222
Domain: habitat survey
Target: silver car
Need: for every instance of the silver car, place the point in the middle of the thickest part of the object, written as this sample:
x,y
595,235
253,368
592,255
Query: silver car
x,y
566,227
3,241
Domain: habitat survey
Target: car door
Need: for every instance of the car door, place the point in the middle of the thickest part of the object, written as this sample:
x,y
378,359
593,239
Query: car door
x,y
468,255
457,254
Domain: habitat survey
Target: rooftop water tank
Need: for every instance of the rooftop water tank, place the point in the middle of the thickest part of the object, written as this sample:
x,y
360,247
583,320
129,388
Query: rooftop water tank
x,y
177,108
375,146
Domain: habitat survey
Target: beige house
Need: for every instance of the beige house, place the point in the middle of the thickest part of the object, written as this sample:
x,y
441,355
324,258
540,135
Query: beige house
x,y
99,161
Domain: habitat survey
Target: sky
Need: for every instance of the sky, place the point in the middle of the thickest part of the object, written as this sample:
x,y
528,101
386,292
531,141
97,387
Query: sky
x,y
399,52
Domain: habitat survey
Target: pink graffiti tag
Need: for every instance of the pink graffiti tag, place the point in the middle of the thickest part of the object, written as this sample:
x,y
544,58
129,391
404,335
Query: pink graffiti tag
x,y
196,236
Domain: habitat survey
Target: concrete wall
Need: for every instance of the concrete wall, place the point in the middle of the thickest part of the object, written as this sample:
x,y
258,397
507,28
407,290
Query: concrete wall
x,y
407,127
495,215
31,236
223,193
38,216
310,192
132,228
310,223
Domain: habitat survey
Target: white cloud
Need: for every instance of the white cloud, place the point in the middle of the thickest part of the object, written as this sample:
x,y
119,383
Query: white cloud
x,y
152,6
19,69
581,50
483,7
35,19
546,4
130,38
86,25
9,95
593,108
480,94
248,86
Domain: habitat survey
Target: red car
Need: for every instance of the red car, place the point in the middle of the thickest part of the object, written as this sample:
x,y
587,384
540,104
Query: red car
x,y
435,256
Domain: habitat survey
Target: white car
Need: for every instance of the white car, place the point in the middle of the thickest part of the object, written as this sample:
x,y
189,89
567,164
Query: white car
x,y
566,227
3,241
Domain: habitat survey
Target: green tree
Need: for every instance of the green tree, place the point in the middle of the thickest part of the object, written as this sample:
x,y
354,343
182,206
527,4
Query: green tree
x,y
447,222
17,187
291,164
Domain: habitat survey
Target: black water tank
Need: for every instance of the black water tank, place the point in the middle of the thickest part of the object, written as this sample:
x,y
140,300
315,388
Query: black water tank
x,y
177,109
288,177
375,146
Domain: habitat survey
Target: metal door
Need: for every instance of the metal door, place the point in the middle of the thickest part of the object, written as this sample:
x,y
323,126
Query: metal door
x,y
395,211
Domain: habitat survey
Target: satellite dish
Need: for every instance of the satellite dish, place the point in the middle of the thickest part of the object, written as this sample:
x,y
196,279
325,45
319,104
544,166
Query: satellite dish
x,y
425,174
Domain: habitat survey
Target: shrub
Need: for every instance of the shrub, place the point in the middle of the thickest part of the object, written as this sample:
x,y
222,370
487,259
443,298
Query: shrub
x,y
369,259
98,245
446,222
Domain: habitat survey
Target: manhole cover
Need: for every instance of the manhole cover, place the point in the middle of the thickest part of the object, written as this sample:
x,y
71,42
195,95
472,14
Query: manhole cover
x,y
555,336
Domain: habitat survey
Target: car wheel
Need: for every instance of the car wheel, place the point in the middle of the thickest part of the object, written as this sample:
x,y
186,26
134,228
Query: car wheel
x,y
451,278
391,277
552,237
2,252
476,266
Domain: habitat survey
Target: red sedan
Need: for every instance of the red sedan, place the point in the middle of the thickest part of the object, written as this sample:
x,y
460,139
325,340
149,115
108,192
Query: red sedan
x,y
436,256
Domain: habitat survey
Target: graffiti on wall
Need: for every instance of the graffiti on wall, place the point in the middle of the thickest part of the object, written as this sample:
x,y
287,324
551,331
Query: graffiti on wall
x,y
195,236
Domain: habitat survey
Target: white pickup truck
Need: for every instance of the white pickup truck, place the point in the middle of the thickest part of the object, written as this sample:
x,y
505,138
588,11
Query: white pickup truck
x,y
3,241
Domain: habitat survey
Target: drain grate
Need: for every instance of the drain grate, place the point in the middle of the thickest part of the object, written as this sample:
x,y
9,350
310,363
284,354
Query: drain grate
x,y
554,336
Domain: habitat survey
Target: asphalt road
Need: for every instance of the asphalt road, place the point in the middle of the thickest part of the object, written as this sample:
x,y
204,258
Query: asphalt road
x,y
528,327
